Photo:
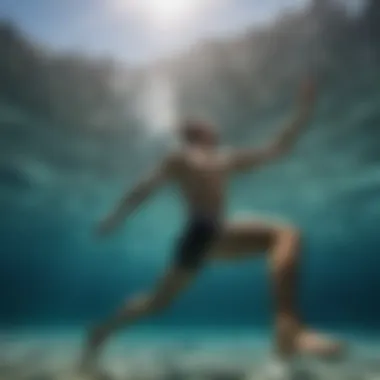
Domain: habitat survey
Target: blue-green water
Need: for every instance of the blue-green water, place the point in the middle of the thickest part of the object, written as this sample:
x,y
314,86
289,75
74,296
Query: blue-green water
x,y
75,133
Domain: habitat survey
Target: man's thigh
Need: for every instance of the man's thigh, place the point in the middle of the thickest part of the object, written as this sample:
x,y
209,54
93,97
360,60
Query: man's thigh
x,y
246,238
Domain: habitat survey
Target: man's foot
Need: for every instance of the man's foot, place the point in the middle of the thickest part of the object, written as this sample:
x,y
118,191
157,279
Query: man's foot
x,y
312,343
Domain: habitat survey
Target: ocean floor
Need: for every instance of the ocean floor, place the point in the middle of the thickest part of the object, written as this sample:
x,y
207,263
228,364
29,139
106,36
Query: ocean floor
x,y
176,355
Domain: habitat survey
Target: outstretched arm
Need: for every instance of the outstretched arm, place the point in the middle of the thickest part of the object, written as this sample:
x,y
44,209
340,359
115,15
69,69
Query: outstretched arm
x,y
141,191
248,158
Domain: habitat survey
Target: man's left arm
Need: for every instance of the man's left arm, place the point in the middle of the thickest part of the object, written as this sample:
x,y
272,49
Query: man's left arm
x,y
245,159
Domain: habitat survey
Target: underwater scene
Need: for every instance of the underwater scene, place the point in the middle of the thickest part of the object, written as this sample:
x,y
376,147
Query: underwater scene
x,y
91,96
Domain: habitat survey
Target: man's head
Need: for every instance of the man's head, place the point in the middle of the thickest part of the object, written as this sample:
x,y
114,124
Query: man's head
x,y
198,132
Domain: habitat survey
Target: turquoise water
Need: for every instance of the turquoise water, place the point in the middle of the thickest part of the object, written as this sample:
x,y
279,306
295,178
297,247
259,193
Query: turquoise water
x,y
76,133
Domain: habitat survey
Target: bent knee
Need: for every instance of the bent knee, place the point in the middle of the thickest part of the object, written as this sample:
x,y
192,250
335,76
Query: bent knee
x,y
288,239
290,233
285,229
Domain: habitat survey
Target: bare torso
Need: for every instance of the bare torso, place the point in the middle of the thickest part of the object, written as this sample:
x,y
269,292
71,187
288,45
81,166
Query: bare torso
x,y
201,175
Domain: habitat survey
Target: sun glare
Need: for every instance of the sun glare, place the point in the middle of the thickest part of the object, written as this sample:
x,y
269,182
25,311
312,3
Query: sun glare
x,y
157,107
161,13
169,10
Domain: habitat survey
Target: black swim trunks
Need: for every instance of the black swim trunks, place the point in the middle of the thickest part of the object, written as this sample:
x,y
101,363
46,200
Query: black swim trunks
x,y
197,238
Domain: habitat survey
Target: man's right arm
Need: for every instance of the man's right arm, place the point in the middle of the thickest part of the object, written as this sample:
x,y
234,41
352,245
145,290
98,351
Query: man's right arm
x,y
140,192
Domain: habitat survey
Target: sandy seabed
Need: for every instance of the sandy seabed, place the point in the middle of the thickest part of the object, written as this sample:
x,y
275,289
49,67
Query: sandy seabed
x,y
176,355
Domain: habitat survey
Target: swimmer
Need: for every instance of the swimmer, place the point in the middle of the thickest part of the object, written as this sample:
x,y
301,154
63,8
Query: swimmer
x,y
200,170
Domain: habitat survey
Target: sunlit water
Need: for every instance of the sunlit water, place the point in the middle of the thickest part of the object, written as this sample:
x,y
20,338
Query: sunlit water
x,y
74,137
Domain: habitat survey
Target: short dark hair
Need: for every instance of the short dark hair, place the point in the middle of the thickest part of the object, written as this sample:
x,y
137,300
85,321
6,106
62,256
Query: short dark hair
x,y
191,129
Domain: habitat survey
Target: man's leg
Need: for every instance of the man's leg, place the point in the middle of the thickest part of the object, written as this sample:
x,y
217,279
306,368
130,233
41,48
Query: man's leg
x,y
174,281
282,241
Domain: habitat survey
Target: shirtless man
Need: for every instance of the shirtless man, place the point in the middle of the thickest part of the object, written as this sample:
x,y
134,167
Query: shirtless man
x,y
201,170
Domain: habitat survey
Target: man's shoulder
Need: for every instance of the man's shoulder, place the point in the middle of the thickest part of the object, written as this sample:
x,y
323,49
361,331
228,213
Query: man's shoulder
x,y
226,152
